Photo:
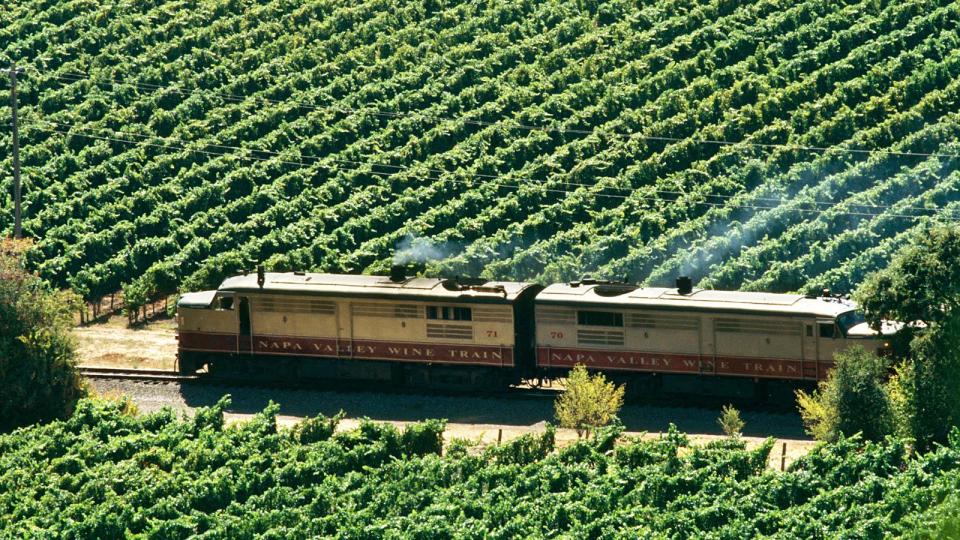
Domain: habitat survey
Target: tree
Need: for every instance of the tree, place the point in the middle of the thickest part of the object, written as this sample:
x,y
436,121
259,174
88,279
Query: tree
x,y
921,287
730,421
588,402
853,399
921,283
38,376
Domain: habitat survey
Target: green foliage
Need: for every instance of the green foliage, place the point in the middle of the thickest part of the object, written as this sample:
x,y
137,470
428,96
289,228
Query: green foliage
x,y
106,473
424,438
931,391
210,418
38,376
730,421
922,287
316,429
853,399
588,401
523,450
244,171
921,284
940,521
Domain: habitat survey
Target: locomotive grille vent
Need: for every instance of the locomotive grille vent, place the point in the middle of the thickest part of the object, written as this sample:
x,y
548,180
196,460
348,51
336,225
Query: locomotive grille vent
x,y
392,311
449,331
556,316
742,326
666,322
488,314
296,305
600,337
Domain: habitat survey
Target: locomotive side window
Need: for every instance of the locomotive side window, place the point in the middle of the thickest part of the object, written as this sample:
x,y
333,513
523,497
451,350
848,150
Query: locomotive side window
x,y
224,303
446,313
599,318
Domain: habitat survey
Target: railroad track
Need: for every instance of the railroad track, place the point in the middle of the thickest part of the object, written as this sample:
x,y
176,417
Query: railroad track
x,y
146,375
159,375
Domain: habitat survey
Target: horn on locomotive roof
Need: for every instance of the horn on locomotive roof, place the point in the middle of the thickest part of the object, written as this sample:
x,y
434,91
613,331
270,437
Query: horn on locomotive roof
x,y
261,276
684,285
398,273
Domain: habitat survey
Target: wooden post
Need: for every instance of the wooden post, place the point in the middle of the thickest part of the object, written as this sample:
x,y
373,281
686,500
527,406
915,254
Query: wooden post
x,y
17,231
499,436
783,457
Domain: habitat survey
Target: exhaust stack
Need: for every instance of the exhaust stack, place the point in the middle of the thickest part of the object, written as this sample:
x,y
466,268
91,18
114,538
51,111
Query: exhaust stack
x,y
684,285
398,273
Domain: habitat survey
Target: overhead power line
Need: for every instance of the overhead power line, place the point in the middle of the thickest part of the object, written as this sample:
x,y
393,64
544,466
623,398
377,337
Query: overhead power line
x,y
506,122
413,171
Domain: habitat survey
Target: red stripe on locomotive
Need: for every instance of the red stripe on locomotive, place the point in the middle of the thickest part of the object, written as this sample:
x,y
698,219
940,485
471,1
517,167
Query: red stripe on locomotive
x,y
360,349
655,362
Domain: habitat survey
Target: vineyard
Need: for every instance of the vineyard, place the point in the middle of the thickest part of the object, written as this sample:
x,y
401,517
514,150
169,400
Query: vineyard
x,y
766,145
106,474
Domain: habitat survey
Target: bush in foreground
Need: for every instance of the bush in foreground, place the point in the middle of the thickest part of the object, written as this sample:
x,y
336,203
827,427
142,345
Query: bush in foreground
x,y
730,421
38,376
103,473
588,401
853,399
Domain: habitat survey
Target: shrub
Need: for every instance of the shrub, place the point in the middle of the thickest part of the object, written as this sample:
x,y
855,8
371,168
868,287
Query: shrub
x,y
316,429
853,399
588,402
424,438
38,376
730,421
921,287
930,393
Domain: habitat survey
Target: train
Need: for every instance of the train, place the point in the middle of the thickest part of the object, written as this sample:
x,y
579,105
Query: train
x,y
462,333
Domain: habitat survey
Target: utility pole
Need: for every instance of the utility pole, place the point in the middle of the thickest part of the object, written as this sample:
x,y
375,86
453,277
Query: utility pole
x,y
16,152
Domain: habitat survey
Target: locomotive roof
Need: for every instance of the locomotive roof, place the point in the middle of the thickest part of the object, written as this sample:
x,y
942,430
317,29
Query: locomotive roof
x,y
625,296
411,288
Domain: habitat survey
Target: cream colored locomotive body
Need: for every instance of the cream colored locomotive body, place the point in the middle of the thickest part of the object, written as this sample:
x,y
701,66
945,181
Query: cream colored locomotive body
x,y
375,327
706,332
355,317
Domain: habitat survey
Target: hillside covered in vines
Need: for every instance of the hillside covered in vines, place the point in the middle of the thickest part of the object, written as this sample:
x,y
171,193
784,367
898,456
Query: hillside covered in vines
x,y
106,474
773,144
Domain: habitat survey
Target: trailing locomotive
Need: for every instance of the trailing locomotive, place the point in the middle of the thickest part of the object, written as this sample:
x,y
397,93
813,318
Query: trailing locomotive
x,y
429,332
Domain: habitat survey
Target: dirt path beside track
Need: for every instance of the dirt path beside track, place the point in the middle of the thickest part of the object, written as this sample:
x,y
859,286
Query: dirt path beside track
x,y
113,344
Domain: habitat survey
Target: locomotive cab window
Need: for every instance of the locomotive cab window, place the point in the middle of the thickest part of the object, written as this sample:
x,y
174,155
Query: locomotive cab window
x,y
223,303
446,313
599,318
827,330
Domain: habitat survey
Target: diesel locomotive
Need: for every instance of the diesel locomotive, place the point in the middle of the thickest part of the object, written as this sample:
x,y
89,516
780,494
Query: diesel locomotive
x,y
472,333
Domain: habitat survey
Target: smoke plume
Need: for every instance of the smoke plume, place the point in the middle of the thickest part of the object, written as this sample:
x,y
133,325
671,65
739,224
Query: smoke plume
x,y
416,249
